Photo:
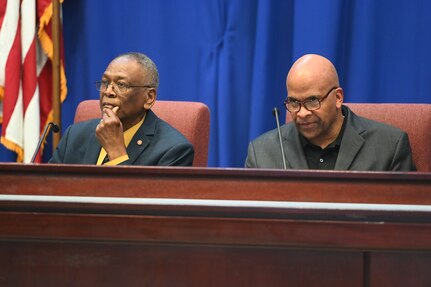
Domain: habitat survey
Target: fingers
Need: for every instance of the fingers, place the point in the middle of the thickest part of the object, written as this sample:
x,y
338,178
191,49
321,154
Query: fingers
x,y
108,113
109,118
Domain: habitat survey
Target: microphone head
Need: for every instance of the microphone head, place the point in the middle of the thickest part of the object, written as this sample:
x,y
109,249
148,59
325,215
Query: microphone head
x,y
275,111
55,127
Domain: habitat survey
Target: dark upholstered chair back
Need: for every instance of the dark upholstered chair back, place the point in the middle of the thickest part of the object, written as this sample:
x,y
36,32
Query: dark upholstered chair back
x,y
192,119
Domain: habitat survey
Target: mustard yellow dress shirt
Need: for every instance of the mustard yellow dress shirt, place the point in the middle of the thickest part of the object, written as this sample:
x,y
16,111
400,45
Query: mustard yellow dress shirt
x,y
128,135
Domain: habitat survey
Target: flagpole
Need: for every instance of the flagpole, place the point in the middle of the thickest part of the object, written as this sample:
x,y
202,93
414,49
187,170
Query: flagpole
x,y
56,101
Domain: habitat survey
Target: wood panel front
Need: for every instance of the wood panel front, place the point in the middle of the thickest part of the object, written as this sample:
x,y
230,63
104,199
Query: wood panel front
x,y
55,243
207,183
145,226
63,263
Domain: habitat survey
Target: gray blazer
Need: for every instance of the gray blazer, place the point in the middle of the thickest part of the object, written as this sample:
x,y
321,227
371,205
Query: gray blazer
x,y
155,143
366,145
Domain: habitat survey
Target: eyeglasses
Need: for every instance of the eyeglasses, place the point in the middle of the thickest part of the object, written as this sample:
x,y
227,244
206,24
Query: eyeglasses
x,y
119,86
311,104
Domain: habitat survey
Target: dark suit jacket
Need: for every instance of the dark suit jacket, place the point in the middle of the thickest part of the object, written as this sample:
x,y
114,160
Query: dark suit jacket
x,y
366,145
161,145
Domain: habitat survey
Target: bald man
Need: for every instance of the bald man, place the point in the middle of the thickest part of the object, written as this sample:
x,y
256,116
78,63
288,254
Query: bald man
x,y
325,134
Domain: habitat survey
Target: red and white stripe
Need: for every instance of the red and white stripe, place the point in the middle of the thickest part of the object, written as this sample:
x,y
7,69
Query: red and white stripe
x,y
22,62
10,42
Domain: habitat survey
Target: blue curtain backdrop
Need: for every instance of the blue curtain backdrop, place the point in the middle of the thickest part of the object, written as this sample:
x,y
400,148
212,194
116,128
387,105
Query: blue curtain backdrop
x,y
233,55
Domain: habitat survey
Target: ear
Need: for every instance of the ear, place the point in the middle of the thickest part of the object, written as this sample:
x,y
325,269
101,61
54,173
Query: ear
x,y
339,97
151,98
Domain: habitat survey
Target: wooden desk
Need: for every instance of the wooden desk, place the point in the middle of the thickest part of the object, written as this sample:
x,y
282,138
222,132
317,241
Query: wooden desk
x,y
207,183
98,226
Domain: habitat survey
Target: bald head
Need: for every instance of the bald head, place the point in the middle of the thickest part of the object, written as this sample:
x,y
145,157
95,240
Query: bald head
x,y
314,77
312,71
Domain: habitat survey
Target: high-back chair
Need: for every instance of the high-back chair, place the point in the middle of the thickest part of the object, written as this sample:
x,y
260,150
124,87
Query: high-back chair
x,y
192,119
415,119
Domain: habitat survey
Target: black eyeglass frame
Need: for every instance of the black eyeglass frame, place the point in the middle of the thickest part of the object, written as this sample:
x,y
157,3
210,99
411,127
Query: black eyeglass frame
x,y
122,88
309,100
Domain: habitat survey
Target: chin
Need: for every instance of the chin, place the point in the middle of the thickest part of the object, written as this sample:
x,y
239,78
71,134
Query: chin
x,y
310,135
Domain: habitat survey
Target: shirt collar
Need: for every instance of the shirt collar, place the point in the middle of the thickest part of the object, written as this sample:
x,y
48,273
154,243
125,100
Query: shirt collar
x,y
336,143
128,135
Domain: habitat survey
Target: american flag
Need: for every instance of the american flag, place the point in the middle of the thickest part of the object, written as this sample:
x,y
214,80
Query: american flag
x,y
26,53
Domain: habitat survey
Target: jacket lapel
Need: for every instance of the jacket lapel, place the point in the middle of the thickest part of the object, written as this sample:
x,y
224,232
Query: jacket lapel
x,y
351,144
93,149
294,153
142,137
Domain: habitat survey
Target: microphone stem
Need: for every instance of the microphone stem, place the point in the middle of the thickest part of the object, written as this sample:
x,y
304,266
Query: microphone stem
x,y
279,138
42,139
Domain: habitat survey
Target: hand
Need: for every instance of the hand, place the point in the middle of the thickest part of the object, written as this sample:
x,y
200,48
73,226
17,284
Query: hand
x,y
109,132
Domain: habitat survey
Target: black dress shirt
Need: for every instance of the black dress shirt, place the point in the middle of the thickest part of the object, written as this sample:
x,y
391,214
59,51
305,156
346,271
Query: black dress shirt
x,y
318,158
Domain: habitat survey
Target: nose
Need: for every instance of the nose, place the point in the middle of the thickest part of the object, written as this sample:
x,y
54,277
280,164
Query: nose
x,y
110,92
303,112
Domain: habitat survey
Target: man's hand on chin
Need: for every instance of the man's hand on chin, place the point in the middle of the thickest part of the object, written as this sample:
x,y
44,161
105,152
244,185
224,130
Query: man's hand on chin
x,y
109,132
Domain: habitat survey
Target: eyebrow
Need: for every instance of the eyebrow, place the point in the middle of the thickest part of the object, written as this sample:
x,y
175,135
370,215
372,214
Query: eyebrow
x,y
307,98
105,76
110,75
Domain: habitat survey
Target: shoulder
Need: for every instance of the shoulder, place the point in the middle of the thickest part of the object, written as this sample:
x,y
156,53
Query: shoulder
x,y
86,124
167,146
82,129
365,125
272,135
90,124
164,132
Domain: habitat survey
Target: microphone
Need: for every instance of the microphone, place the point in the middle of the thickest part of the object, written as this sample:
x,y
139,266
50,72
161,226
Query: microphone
x,y
50,126
275,112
